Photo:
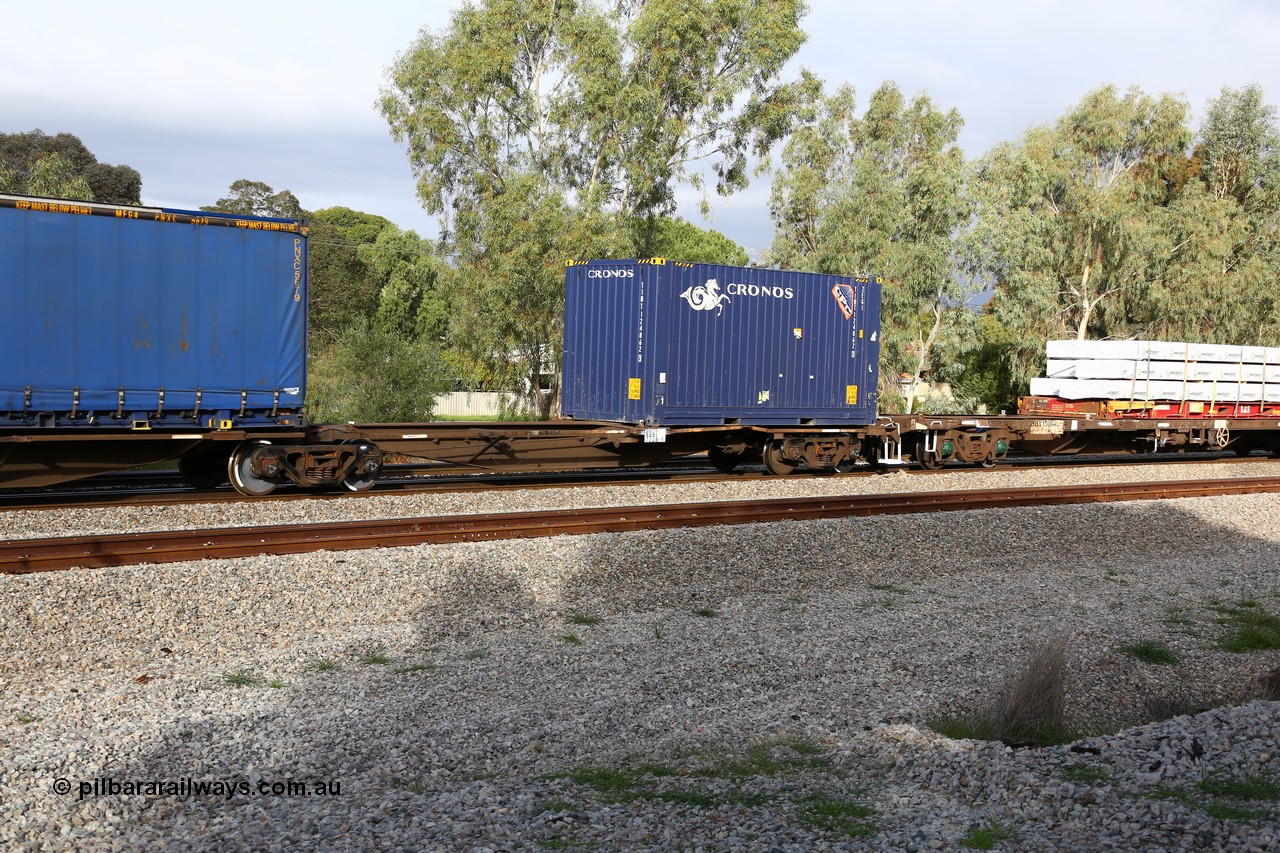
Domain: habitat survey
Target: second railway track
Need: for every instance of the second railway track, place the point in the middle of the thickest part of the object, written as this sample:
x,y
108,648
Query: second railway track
x,y
37,555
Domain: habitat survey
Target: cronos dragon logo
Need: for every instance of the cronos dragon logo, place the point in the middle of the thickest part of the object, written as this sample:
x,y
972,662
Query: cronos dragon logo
x,y
706,297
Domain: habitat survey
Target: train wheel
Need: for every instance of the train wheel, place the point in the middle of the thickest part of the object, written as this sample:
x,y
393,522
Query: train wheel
x,y
724,460
359,482
930,460
363,482
204,471
990,461
844,466
240,472
774,463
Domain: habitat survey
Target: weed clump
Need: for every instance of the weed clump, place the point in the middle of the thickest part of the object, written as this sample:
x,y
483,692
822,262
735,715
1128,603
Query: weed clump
x,y
1031,710
1269,684
1251,629
1151,651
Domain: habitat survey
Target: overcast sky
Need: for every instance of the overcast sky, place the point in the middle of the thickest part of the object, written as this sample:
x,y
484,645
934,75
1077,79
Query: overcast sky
x,y
197,95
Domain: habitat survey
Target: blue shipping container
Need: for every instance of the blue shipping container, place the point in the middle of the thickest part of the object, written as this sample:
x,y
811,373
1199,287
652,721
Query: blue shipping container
x,y
142,313
665,342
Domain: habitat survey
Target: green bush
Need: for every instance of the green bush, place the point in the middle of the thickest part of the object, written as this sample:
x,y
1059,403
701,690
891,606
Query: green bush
x,y
374,375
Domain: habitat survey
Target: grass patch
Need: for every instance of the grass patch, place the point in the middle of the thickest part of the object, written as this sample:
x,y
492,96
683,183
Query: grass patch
x,y
1086,774
553,806
571,639
583,619
375,660
647,781
888,587
476,654
706,612
837,815
775,757
276,684
241,678
987,837
321,665
1251,629
1114,575
27,719
1031,709
1151,651
614,786
1227,797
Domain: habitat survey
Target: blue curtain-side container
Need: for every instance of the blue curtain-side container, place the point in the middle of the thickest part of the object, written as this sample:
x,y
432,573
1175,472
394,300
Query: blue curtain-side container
x,y
672,343
103,308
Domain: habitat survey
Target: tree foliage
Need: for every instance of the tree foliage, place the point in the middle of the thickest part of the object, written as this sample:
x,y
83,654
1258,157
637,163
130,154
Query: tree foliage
x,y
559,121
411,298
508,296
60,166
254,198
374,375
882,193
1109,224
1062,228
616,105
667,237
1222,231
342,287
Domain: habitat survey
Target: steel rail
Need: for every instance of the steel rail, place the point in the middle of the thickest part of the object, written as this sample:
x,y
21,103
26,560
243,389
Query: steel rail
x,y
36,555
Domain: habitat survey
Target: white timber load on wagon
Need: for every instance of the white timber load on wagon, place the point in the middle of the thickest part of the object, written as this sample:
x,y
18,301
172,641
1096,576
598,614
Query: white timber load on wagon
x,y
1159,370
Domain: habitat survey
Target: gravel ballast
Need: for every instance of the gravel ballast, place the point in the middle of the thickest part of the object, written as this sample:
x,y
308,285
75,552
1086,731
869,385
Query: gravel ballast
x,y
756,687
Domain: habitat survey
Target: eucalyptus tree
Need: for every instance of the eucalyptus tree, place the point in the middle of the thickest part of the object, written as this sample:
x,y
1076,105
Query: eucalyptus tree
x,y
36,163
1223,226
255,198
1066,227
51,176
571,110
883,193
342,286
668,237
1070,228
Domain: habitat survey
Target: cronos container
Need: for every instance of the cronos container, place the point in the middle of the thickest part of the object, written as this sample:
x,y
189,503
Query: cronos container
x,y
671,343
139,317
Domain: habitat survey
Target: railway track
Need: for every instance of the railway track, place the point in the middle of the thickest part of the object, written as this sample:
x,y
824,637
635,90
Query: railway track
x,y
38,555
165,488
